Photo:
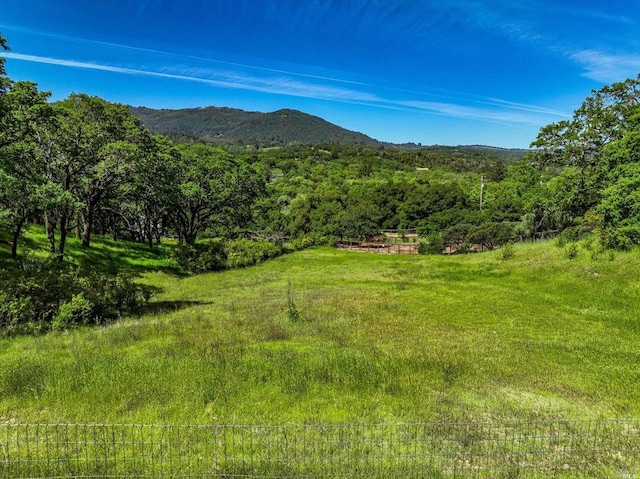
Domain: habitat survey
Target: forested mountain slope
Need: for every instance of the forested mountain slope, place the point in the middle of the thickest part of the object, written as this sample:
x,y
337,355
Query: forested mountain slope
x,y
282,127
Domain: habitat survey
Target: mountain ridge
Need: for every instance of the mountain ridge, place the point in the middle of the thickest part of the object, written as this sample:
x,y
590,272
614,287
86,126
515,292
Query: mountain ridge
x,y
224,124
283,127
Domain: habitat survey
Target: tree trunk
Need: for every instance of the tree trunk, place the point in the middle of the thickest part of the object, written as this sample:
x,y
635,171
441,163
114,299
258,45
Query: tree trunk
x,y
158,233
180,229
51,233
64,229
190,238
16,235
114,227
148,233
76,220
86,232
87,224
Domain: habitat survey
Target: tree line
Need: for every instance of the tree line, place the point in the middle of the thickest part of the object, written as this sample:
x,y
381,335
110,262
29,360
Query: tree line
x,y
581,177
84,165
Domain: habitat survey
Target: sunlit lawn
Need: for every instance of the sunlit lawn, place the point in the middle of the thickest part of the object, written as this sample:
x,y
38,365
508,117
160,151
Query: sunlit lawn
x,y
328,336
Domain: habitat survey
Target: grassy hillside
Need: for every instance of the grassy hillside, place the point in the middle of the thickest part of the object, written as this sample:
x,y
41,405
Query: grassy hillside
x,y
329,336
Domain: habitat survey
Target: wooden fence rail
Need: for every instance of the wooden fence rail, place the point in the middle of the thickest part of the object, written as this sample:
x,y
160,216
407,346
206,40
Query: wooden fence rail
x,y
378,248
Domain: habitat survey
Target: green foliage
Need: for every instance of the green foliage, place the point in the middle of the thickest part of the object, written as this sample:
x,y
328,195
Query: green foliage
x,y
76,311
571,251
598,150
329,193
601,119
4,81
492,234
433,244
279,128
619,207
44,294
114,296
293,312
126,183
487,235
506,251
463,248
216,255
216,192
568,235
25,130
32,293
301,242
624,237
243,252
200,257
96,144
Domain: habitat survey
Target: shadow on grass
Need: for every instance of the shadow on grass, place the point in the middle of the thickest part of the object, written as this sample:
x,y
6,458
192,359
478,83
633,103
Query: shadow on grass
x,y
160,307
5,255
104,254
113,257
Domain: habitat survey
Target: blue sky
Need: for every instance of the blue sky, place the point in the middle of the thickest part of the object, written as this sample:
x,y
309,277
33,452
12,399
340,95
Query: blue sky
x,y
446,72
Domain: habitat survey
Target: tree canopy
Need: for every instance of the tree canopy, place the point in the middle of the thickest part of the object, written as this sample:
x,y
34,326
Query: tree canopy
x,y
598,150
85,165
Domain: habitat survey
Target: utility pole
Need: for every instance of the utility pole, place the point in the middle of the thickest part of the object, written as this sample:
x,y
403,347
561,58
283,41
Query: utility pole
x,y
481,190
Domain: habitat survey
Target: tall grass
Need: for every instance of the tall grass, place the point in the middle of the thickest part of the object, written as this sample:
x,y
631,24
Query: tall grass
x,y
376,339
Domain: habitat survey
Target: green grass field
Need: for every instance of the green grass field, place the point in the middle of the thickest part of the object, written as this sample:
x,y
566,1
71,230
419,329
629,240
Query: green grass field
x,y
326,336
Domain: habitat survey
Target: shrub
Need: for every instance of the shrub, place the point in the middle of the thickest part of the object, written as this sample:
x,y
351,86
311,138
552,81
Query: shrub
x,y
572,251
76,311
113,296
560,241
506,252
293,312
216,255
458,234
306,241
31,294
464,248
300,243
492,234
589,243
17,314
243,252
568,235
434,244
41,295
621,238
201,257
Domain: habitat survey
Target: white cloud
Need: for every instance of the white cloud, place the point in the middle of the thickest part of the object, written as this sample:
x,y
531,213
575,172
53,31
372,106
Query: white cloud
x,y
607,68
468,112
224,79
489,109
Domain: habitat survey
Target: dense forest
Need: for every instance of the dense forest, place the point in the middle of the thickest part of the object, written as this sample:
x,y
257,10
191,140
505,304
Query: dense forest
x,y
85,166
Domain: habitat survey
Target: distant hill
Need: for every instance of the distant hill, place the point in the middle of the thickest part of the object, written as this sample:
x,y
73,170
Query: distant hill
x,y
491,150
214,124
500,152
282,127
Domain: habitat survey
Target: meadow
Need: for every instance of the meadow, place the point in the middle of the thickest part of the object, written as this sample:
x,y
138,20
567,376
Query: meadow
x,y
325,336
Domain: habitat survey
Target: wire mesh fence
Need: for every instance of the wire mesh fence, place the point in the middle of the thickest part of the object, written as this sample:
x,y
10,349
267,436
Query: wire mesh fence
x,y
568,449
